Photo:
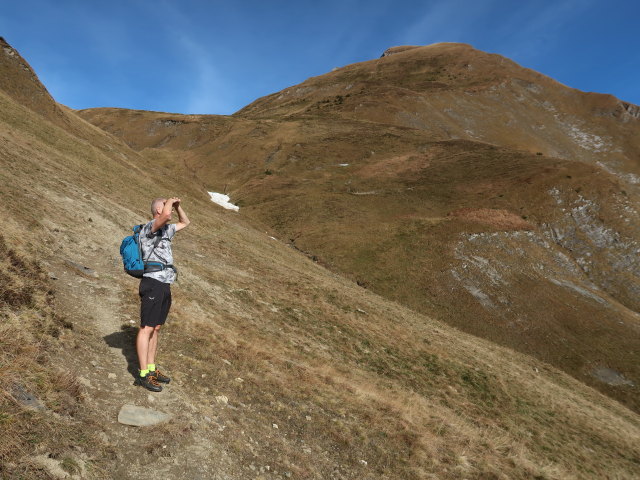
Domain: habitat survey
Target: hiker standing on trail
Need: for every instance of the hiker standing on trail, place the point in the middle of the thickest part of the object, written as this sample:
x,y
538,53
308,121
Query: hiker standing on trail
x,y
155,286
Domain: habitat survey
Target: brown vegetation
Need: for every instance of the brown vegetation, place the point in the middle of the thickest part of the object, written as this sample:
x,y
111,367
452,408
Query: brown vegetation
x,y
36,393
373,202
493,218
281,368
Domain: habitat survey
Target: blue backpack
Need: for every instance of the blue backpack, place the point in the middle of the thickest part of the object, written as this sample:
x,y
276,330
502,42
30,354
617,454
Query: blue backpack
x,y
131,253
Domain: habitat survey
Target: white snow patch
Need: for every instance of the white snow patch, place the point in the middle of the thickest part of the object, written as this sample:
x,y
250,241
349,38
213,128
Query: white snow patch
x,y
343,164
223,200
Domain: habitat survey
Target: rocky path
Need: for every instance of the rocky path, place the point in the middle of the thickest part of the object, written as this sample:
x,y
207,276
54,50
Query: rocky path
x,y
101,353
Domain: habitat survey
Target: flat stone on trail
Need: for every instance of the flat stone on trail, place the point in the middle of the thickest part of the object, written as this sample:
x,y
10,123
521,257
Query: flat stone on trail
x,y
140,416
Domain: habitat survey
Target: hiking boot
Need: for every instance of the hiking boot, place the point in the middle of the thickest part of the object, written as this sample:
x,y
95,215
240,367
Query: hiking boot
x,y
149,382
159,376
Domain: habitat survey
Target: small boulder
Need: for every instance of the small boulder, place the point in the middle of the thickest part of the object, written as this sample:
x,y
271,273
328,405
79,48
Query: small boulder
x,y
26,398
140,416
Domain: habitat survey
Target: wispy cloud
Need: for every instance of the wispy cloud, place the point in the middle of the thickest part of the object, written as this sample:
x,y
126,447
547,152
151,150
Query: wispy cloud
x,y
532,32
524,30
208,91
107,36
445,21
205,88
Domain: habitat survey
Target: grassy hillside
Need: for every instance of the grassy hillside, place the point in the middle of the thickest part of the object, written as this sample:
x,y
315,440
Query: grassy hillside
x,y
281,368
531,251
453,91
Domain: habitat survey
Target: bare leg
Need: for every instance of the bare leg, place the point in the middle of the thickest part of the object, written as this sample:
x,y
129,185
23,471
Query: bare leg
x,y
143,342
153,346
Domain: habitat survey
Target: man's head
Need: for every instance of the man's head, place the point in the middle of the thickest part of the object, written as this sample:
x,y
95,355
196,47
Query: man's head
x,y
157,205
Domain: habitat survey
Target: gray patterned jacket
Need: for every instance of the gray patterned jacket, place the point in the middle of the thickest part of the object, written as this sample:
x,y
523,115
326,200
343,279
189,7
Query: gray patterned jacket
x,y
162,253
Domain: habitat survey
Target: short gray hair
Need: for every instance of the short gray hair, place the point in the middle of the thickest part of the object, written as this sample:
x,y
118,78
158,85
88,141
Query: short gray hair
x,y
155,203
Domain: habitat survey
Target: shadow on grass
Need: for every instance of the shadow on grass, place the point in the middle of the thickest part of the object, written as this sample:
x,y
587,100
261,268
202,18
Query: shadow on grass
x,y
125,340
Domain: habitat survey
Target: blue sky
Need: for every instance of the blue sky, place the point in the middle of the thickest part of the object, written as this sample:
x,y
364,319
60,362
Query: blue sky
x,y
216,56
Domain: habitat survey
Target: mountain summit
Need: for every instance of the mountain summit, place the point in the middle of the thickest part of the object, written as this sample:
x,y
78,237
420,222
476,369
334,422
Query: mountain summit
x,y
453,91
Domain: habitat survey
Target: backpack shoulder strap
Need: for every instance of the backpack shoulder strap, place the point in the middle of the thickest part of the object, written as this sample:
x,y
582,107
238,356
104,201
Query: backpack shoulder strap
x,y
155,244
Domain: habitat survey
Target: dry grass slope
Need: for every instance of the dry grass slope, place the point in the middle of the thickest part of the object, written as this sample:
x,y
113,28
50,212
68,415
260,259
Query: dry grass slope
x,y
282,369
381,205
37,394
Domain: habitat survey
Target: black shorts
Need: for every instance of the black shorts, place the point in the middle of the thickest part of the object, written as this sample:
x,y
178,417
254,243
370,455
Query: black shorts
x,y
155,302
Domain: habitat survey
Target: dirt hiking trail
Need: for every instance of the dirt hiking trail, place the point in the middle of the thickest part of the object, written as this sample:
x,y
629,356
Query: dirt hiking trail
x,y
106,363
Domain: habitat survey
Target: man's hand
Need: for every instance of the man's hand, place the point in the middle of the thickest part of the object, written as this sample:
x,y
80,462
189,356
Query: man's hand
x,y
164,217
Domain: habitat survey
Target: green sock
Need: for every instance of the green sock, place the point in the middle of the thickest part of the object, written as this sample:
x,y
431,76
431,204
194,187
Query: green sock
x,y
151,367
143,373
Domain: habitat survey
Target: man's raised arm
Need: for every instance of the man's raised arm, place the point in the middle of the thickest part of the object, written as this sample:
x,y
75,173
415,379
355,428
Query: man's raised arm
x,y
183,220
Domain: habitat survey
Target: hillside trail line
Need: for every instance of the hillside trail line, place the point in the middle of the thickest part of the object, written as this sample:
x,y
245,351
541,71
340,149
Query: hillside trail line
x,y
101,307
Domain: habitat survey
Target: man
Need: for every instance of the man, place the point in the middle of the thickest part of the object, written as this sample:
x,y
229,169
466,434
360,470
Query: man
x,y
155,286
